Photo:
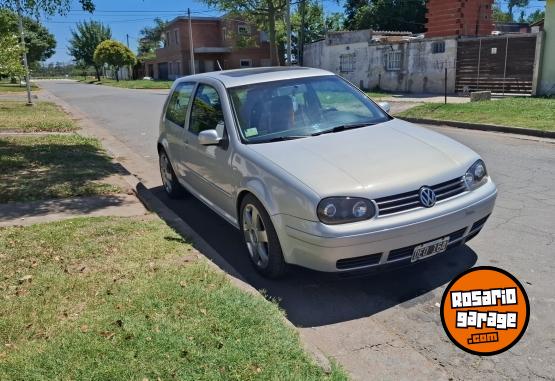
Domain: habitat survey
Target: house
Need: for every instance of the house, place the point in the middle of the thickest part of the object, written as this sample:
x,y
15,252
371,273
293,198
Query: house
x,y
391,61
512,27
457,54
218,42
537,26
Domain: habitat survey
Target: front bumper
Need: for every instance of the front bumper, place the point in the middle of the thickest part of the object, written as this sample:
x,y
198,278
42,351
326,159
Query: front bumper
x,y
383,240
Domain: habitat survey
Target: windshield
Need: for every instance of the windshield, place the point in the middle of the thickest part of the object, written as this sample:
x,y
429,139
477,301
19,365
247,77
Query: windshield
x,y
302,107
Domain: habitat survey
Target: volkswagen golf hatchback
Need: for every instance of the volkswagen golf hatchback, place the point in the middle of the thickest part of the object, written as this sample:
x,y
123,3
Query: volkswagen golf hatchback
x,y
316,174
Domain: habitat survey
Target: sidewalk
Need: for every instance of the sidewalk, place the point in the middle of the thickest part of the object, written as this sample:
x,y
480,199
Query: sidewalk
x,y
29,213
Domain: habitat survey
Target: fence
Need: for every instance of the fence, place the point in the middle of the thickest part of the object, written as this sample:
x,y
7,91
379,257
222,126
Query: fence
x,y
503,64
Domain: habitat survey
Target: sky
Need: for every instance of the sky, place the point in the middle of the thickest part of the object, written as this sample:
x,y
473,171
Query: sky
x,y
128,17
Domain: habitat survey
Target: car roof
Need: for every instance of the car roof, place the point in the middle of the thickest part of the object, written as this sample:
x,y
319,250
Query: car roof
x,y
241,77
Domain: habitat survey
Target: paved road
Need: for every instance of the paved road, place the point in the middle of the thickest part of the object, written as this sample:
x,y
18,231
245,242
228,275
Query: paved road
x,y
387,326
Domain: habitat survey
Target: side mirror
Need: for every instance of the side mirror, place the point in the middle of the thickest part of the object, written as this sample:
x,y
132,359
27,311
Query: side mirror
x,y
209,138
385,106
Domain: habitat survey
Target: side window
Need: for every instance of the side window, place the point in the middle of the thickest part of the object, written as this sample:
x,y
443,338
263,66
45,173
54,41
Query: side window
x,y
177,107
207,110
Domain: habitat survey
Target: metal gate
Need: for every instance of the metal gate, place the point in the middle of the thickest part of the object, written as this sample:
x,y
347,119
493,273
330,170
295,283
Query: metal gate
x,y
503,64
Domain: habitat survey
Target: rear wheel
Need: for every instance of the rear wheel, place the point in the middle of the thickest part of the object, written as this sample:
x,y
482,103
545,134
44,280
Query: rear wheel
x,y
171,185
261,239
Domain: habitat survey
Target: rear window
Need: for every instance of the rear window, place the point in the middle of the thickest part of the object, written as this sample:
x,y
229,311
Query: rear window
x,y
179,101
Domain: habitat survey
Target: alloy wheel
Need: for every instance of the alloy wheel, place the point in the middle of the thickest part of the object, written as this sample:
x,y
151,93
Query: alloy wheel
x,y
256,235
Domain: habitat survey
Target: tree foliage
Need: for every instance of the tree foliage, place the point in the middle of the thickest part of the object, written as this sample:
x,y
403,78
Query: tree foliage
x,y
39,42
501,16
115,54
10,56
48,7
536,16
516,4
152,38
85,39
396,15
264,13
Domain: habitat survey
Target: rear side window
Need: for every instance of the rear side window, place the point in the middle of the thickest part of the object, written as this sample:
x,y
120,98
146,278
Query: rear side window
x,y
177,107
206,113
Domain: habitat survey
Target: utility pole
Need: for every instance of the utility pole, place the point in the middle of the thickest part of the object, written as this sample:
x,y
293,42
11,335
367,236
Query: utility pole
x,y
288,21
300,41
25,63
127,37
192,53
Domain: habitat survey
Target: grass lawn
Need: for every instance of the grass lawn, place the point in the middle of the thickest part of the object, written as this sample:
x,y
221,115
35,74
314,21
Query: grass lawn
x,y
53,166
126,299
15,87
43,116
535,113
133,84
376,95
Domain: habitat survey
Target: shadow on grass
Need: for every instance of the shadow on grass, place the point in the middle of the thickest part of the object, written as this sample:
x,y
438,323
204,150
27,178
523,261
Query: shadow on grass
x,y
54,166
313,299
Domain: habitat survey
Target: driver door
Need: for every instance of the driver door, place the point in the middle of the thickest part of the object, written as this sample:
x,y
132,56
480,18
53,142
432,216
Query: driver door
x,y
209,167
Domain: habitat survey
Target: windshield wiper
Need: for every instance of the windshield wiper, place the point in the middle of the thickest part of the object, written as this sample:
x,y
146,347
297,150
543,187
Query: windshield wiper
x,y
343,127
281,139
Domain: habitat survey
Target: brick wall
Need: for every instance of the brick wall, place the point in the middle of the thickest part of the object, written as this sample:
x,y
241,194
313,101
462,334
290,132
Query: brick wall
x,y
459,18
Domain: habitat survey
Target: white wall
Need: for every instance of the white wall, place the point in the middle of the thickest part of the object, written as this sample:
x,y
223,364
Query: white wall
x,y
421,70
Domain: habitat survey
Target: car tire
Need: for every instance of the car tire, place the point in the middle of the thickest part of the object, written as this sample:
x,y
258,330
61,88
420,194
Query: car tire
x,y
261,239
169,180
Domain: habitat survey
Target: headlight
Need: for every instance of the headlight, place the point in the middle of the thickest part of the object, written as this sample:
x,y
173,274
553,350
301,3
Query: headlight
x,y
342,210
476,175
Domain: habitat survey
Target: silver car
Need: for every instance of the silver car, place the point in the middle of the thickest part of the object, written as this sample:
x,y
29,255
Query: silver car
x,y
316,174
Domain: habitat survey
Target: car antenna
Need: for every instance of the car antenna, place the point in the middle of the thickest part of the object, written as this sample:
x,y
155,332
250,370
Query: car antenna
x,y
219,66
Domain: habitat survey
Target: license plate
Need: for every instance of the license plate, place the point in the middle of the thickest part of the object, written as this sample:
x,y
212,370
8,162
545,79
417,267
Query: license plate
x,y
430,248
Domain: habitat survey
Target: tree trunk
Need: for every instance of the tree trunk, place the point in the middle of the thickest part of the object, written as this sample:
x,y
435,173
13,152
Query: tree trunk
x,y
274,59
300,40
117,76
97,70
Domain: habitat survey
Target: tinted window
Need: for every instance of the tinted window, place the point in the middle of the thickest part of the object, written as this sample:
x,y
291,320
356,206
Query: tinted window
x,y
177,107
207,110
300,107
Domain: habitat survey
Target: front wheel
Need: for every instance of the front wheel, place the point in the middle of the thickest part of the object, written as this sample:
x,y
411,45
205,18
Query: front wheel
x,y
261,239
169,179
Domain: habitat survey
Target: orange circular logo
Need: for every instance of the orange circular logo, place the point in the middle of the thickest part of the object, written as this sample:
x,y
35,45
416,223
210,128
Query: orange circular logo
x,y
485,311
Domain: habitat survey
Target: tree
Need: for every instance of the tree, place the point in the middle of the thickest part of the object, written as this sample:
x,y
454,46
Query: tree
x,y
351,9
39,42
84,41
500,16
309,24
115,54
10,56
536,16
395,15
151,38
48,7
264,13
516,3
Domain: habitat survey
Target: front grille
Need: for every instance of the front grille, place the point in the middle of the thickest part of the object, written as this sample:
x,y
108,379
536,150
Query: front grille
x,y
351,263
411,200
406,252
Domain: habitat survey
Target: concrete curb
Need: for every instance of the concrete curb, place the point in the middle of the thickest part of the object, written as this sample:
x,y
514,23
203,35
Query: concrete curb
x,y
155,205
483,127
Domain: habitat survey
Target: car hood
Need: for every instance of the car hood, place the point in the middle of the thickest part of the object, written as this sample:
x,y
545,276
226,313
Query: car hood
x,y
374,161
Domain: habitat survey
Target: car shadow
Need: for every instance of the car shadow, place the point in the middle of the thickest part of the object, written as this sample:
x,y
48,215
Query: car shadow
x,y
313,299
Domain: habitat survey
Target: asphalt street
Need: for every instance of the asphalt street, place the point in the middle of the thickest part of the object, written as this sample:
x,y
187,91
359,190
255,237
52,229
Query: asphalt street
x,y
387,325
